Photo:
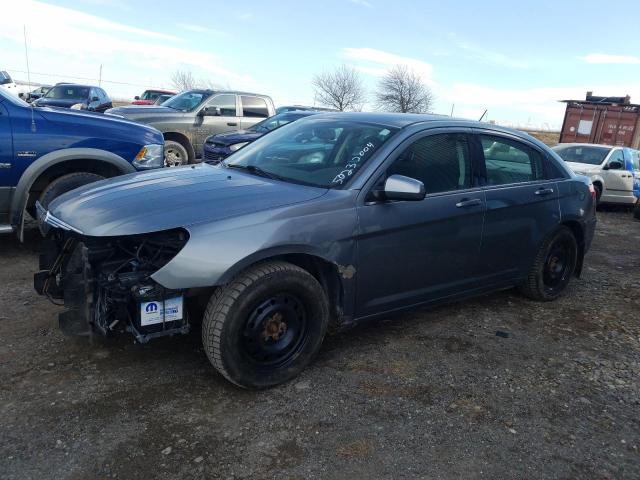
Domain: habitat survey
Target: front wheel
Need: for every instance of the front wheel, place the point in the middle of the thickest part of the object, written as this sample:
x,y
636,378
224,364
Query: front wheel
x,y
175,154
65,184
553,267
265,327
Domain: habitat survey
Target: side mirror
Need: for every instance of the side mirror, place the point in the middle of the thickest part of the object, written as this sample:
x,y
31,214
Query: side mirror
x,y
614,165
399,187
95,99
137,97
210,112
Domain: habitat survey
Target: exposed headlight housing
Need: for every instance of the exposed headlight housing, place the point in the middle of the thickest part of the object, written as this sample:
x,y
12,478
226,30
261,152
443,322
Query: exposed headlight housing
x,y
237,146
149,156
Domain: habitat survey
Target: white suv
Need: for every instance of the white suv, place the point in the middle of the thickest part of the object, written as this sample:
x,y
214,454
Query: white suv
x,y
611,169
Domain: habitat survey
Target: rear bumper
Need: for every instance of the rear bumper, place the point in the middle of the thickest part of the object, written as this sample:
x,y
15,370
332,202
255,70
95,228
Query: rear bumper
x,y
589,232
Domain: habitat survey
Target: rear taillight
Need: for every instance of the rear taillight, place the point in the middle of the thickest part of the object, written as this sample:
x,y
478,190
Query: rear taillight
x,y
592,191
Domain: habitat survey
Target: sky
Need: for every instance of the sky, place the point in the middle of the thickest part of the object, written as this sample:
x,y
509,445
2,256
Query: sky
x,y
514,59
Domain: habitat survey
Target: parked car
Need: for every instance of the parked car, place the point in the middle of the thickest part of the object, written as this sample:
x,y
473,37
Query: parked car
x,y
611,169
45,152
302,108
332,219
149,97
66,95
189,117
220,146
35,94
161,99
7,83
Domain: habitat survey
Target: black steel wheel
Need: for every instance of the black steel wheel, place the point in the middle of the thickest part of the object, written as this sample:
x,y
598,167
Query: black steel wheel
x,y
553,267
265,327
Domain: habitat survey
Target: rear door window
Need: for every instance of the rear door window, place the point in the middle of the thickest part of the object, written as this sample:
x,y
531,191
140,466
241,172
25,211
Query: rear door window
x,y
255,107
509,161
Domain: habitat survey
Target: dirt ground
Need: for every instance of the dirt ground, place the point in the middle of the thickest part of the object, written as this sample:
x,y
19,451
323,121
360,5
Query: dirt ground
x,y
428,394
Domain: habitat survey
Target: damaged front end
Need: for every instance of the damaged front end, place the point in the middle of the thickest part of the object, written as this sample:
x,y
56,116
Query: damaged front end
x,y
106,286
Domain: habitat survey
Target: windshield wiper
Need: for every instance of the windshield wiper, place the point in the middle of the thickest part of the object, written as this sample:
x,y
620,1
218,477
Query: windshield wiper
x,y
256,171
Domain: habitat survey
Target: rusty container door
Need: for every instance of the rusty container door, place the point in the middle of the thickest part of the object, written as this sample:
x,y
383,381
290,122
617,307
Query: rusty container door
x,y
617,126
603,124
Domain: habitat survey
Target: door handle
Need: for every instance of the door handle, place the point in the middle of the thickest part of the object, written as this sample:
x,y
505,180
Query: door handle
x,y
232,124
544,191
472,202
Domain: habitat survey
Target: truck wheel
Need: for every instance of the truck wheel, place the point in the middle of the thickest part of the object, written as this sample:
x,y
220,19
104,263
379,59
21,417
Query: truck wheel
x,y
65,184
553,267
175,154
265,326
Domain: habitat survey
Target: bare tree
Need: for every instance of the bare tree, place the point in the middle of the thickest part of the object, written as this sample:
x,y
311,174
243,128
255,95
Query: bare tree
x,y
402,90
341,88
183,80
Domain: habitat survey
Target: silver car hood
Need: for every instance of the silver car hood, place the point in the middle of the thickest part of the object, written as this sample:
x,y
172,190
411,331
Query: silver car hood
x,y
169,198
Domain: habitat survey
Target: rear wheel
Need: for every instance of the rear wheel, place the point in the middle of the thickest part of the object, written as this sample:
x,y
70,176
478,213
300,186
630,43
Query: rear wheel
x,y
65,184
265,326
175,154
553,267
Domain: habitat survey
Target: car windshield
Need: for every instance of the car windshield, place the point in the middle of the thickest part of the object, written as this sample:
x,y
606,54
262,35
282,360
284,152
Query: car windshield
x,y
12,98
186,101
324,153
68,92
592,155
274,122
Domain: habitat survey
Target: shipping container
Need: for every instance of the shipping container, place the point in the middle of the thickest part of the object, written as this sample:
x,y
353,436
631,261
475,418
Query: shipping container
x,y
602,120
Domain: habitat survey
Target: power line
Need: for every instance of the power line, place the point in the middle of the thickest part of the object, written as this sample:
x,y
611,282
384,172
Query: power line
x,y
82,78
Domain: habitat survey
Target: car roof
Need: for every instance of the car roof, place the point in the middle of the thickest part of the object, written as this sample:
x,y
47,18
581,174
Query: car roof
x,y
236,92
578,144
401,120
74,85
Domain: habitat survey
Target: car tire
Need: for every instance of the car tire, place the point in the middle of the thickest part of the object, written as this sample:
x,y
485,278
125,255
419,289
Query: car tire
x,y
265,326
636,210
65,184
175,154
553,267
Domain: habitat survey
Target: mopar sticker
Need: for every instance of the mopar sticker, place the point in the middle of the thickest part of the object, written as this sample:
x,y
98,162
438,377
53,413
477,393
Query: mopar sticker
x,y
157,312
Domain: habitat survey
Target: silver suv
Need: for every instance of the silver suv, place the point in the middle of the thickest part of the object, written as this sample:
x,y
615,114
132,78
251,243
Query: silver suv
x,y
188,118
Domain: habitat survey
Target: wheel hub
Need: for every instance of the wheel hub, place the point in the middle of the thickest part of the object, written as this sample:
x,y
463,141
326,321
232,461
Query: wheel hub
x,y
274,327
275,331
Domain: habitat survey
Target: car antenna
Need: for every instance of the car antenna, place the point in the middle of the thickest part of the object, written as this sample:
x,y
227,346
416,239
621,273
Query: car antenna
x,y
483,114
26,55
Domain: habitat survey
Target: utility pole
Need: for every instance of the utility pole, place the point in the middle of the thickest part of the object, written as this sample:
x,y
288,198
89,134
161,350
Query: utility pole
x,y
100,79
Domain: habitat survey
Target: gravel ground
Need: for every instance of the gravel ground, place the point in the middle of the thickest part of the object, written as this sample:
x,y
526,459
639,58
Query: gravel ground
x,y
428,394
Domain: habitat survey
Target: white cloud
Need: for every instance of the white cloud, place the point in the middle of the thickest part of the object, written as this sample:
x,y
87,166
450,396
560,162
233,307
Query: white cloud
x,y
377,62
193,28
533,107
609,59
364,3
78,41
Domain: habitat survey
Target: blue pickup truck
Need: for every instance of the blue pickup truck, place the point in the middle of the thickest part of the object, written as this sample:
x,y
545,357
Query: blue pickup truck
x,y
45,152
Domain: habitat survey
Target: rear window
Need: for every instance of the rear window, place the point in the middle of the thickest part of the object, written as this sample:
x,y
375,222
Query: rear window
x,y
68,92
592,155
254,107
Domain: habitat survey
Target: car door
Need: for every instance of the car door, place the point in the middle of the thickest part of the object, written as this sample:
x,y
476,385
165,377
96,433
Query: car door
x,y
618,182
254,110
411,252
211,123
522,204
6,164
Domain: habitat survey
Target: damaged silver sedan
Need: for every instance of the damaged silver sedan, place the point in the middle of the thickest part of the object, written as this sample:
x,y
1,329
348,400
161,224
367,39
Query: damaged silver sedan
x,y
325,222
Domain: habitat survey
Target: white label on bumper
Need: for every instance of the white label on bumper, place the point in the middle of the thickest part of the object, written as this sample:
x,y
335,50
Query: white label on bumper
x,y
155,312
